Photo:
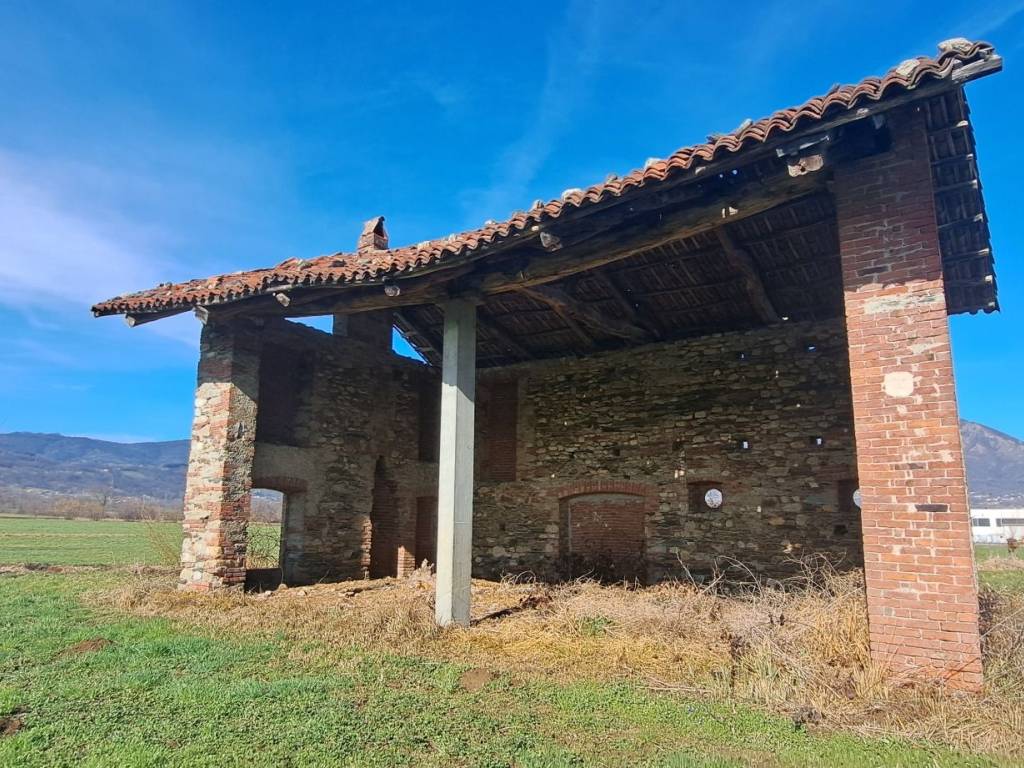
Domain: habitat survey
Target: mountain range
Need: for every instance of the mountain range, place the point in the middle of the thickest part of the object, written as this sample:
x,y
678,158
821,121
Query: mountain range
x,y
56,464
81,465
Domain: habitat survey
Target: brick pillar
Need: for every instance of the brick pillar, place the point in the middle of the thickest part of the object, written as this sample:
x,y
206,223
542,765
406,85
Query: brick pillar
x,y
217,494
918,556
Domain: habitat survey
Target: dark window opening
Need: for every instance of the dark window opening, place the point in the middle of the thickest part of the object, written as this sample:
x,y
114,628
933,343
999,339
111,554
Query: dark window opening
x,y
286,375
429,420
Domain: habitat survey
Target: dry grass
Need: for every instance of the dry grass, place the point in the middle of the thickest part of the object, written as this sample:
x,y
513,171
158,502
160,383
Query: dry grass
x,y
1001,563
799,648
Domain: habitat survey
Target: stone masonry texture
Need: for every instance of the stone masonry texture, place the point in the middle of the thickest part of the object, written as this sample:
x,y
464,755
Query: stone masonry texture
x,y
627,433
922,593
647,423
219,480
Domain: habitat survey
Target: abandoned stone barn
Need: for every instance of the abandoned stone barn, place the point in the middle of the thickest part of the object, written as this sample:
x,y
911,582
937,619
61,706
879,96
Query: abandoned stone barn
x,y
740,351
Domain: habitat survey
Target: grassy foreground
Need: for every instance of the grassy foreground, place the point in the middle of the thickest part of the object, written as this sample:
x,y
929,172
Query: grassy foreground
x,y
82,686
107,668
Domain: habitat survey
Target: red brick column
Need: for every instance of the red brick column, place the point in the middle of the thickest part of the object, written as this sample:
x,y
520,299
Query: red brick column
x,y
217,494
919,560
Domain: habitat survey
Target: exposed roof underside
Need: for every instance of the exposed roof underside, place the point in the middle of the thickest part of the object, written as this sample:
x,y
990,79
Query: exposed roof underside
x,y
693,284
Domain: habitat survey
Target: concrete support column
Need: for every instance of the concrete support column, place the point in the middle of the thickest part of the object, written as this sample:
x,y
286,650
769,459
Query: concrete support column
x,y
217,494
918,556
455,471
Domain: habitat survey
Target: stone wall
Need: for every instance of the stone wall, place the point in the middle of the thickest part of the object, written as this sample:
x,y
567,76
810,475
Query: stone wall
x,y
577,460
764,416
338,432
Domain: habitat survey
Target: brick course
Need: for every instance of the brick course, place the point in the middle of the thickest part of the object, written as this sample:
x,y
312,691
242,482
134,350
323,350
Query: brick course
x,y
921,587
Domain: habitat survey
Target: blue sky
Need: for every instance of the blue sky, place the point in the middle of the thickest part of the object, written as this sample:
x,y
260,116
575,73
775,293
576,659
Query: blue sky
x,y
146,142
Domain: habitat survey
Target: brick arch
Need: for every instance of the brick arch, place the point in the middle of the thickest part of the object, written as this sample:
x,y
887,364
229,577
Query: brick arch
x,y
603,529
280,483
581,488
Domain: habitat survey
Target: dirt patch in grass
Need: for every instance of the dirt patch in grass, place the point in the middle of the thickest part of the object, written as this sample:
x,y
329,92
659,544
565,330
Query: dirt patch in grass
x,y
86,646
22,569
794,648
473,680
11,724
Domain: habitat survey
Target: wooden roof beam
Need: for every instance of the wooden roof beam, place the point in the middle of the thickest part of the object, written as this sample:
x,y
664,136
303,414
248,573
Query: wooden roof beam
x,y
133,320
629,237
631,309
565,305
429,343
744,265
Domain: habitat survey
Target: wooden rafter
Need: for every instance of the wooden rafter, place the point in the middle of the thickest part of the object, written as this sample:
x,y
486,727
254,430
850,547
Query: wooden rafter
x,y
627,237
631,309
141,319
428,341
568,306
577,330
744,265
502,336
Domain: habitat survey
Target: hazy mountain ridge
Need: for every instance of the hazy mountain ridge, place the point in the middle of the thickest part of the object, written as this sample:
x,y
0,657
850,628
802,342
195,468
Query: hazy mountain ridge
x,y
995,466
80,465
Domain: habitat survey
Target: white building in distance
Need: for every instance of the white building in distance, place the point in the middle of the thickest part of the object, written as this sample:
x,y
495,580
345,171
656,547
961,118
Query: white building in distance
x,y
995,526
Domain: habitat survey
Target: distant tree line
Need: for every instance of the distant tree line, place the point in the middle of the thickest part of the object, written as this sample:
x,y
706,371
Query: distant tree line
x,y
100,505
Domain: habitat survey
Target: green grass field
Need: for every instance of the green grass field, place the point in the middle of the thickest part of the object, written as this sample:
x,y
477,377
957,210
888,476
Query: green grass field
x,y
53,541
82,685
1005,579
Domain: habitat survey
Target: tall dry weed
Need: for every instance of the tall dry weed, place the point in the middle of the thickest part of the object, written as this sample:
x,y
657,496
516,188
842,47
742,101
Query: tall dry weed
x,y
164,540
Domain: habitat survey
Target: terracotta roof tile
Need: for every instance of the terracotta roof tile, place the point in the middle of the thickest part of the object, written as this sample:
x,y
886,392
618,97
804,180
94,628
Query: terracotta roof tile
x,y
341,268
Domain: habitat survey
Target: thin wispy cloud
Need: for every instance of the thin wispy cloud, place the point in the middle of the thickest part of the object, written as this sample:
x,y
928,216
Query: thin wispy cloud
x,y
573,55
989,20
56,259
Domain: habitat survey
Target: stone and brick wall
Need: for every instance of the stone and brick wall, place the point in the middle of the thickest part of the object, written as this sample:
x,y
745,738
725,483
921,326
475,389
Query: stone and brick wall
x,y
332,421
219,480
649,422
922,594
609,446
355,446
